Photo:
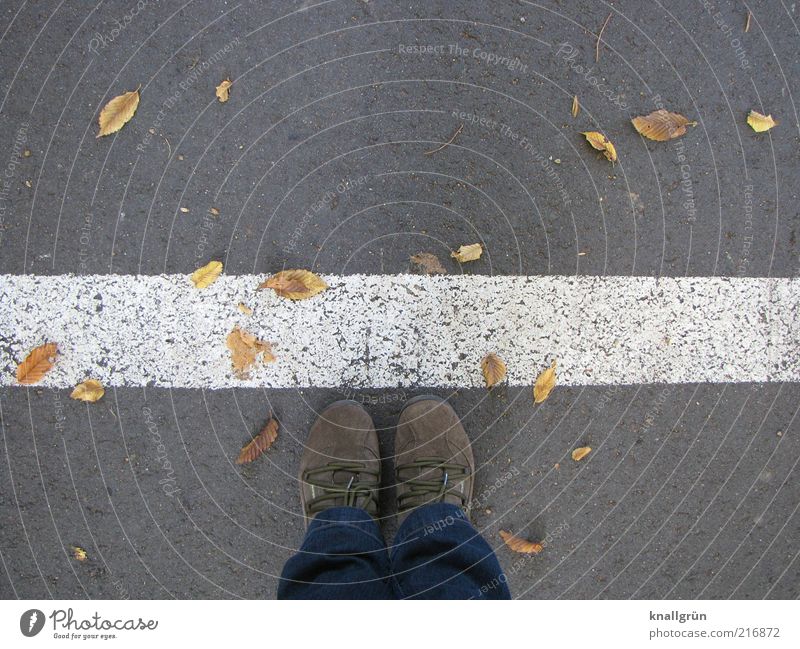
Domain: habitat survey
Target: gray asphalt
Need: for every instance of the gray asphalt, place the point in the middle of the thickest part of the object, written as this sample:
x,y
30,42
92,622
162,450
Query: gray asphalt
x,y
319,161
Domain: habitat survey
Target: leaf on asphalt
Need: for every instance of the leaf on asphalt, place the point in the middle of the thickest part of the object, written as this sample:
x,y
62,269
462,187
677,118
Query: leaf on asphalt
x,y
118,112
601,143
747,22
37,364
245,309
207,275
545,383
576,107
494,369
579,453
223,90
518,544
295,284
760,123
79,554
468,253
90,391
245,350
661,125
259,443
428,262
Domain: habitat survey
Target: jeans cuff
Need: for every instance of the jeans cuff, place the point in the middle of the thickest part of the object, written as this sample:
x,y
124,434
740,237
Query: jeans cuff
x,y
429,519
352,517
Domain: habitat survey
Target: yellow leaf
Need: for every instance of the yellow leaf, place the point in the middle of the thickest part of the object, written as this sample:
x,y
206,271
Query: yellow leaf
x,y
494,369
661,125
576,107
118,112
429,263
601,143
579,453
79,554
37,363
760,123
245,349
517,544
207,275
468,253
259,443
223,90
295,284
245,309
545,383
90,390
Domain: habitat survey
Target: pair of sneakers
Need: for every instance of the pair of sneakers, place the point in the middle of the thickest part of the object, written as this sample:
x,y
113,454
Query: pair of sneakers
x,y
341,465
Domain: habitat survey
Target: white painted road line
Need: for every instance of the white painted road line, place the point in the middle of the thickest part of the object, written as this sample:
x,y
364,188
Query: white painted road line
x,y
379,331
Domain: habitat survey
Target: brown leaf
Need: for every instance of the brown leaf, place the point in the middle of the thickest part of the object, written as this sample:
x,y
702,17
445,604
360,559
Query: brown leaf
x,y
295,284
517,544
576,107
601,143
37,364
245,309
223,90
545,383
259,443
661,125
579,453
89,391
117,112
760,123
494,369
747,22
468,253
429,263
207,275
245,350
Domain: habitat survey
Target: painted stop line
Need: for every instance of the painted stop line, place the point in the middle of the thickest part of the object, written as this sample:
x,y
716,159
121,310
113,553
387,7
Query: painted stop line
x,y
376,331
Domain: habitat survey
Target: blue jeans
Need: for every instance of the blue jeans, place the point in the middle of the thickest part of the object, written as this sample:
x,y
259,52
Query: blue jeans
x,y
437,554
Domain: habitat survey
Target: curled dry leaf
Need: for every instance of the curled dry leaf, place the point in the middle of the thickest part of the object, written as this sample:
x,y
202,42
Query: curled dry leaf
x,y
428,262
545,383
223,90
517,544
295,284
576,107
760,123
245,309
117,112
79,554
37,364
468,253
661,125
579,453
207,275
259,443
494,369
245,350
89,391
601,143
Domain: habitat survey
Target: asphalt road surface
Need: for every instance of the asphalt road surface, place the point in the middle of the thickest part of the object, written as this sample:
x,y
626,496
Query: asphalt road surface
x,y
357,134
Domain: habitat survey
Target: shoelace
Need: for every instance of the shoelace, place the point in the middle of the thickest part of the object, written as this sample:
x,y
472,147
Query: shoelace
x,y
430,490
350,493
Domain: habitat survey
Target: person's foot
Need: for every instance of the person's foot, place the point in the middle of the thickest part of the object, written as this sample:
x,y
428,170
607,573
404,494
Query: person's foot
x,y
341,463
433,457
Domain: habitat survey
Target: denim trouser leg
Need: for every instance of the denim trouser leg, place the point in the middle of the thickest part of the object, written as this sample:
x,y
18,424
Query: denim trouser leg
x,y
343,556
439,555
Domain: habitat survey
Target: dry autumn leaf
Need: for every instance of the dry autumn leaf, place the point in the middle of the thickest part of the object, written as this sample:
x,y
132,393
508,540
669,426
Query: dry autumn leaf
x,y
517,544
295,284
429,263
207,275
89,391
579,453
245,350
37,364
468,253
494,369
259,443
79,554
117,112
545,383
661,125
601,143
223,90
576,107
760,123
245,309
